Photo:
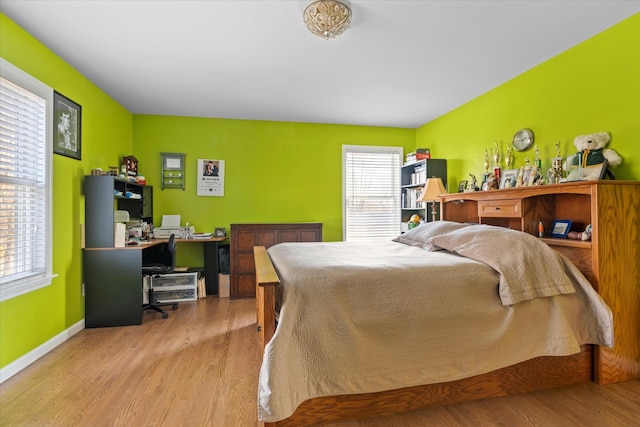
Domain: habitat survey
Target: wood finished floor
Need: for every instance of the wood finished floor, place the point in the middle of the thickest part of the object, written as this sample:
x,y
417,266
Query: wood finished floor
x,y
200,367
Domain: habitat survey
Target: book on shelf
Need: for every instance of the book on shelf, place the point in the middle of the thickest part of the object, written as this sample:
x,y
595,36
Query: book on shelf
x,y
423,153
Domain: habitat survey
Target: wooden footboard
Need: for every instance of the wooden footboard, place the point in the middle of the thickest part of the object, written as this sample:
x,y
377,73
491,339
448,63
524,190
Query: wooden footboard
x,y
536,374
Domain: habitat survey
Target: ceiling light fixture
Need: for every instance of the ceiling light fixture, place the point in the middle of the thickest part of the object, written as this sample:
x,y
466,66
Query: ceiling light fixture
x,y
327,18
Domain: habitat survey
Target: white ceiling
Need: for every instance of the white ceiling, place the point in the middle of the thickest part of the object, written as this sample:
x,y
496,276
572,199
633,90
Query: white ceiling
x,y
400,64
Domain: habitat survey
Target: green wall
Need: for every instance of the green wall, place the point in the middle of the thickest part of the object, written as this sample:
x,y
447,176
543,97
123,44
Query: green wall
x,y
592,87
274,171
31,319
292,171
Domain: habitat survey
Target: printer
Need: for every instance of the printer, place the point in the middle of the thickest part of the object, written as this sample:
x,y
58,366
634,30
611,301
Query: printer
x,y
170,225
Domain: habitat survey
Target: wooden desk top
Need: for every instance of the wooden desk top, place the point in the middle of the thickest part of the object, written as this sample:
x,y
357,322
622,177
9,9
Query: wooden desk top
x,y
210,239
155,242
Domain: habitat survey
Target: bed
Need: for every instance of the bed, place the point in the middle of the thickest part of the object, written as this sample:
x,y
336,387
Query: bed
x,y
447,312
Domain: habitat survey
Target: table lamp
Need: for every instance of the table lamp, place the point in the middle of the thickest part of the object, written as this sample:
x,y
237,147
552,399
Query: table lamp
x,y
432,190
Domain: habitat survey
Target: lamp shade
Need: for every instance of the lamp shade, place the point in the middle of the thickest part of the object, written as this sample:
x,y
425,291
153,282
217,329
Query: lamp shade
x,y
432,190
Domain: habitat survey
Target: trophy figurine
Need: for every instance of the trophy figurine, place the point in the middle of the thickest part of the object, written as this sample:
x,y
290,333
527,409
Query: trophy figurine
x,y
486,161
508,159
537,162
496,159
555,173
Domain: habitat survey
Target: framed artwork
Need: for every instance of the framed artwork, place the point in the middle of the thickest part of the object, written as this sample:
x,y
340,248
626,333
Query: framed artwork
x,y
462,185
210,177
561,228
67,121
509,177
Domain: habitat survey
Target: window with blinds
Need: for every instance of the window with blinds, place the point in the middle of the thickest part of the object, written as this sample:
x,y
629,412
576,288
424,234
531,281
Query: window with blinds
x,y
25,182
371,192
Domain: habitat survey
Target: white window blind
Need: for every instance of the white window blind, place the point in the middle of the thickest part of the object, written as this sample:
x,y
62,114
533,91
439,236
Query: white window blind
x,y
25,177
371,192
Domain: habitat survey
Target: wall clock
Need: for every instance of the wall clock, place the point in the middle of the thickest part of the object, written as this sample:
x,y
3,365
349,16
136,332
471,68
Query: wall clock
x,y
523,139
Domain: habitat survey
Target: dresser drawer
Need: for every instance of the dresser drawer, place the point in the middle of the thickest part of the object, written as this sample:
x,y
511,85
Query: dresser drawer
x,y
509,208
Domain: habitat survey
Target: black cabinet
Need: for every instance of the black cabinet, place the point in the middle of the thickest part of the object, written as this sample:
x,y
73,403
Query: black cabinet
x,y
112,276
113,287
103,194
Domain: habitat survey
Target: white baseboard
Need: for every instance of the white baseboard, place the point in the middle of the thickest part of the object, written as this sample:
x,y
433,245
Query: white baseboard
x,y
19,364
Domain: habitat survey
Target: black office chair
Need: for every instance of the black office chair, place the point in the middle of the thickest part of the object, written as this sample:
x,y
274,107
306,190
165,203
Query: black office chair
x,y
155,261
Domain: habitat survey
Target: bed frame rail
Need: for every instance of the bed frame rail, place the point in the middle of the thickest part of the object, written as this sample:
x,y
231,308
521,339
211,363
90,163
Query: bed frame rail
x,y
266,281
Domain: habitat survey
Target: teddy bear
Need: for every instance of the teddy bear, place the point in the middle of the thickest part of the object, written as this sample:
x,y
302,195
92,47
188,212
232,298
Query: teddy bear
x,y
591,151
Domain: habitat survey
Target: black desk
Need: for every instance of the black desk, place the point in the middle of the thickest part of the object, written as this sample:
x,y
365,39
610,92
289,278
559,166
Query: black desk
x,y
211,267
113,281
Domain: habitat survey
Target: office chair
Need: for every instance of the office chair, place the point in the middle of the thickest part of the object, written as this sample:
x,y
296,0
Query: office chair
x,y
162,260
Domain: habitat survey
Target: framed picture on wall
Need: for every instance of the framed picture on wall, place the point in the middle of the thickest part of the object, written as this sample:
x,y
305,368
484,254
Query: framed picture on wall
x,y
210,177
67,122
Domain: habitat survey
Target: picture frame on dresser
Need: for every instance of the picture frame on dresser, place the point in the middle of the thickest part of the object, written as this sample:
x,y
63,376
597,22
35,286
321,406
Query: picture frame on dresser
x,y
587,173
509,178
595,172
560,228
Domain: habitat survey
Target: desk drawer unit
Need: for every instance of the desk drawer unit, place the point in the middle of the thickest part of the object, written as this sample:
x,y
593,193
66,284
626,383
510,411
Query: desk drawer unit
x,y
175,287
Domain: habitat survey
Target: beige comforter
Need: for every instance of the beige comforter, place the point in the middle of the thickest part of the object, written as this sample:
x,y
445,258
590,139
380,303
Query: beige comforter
x,y
368,317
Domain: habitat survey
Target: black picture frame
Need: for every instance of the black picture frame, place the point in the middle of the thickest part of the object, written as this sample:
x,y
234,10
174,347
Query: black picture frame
x,y
589,173
560,228
67,127
595,172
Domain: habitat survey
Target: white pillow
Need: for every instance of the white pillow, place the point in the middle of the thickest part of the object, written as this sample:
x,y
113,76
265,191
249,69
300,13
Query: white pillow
x,y
420,236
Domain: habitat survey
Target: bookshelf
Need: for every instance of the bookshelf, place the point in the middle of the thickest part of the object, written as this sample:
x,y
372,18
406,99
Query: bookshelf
x,y
412,179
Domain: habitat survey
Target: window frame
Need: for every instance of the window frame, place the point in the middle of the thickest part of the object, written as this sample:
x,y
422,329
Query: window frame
x,y
396,188
20,286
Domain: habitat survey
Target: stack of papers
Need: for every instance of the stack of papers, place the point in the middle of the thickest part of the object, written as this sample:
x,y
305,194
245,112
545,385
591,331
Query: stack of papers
x,y
202,235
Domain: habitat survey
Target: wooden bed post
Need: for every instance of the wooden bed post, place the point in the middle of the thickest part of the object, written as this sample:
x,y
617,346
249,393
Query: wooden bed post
x,y
266,281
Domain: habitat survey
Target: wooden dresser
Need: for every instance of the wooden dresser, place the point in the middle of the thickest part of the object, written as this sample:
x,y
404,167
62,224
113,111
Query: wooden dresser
x,y
611,260
245,236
